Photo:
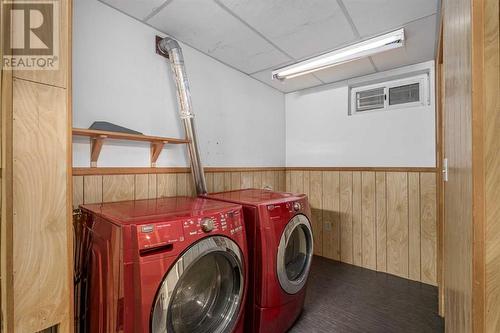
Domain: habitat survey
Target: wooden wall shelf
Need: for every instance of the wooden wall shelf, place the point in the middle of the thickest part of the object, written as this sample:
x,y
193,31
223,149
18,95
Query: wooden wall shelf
x,y
98,137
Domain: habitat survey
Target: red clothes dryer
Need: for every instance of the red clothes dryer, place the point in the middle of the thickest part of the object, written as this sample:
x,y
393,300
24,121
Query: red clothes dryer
x,y
164,265
280,244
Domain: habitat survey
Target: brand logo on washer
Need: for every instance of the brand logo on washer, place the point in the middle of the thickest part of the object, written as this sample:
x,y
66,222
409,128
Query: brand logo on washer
x,y
146,229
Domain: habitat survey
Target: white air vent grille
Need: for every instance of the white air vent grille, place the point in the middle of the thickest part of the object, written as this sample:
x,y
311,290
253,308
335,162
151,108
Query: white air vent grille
x,y
389,95
408,93
370,99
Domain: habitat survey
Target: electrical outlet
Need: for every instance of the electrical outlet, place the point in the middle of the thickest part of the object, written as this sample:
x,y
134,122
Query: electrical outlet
x,y
328,225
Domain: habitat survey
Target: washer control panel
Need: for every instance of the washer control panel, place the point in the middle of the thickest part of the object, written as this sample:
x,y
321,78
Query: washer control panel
x,y
157,235
207,224
226,222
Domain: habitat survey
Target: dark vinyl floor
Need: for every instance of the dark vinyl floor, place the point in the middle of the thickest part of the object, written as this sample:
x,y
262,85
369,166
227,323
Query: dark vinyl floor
x,y
346,298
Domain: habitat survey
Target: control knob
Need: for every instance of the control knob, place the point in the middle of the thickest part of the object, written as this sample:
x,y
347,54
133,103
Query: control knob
x,y
207,224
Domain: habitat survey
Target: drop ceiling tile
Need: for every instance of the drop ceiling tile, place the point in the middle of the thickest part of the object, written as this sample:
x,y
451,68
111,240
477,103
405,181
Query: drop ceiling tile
x,y
209,28
346,71
300,28
139,9
375,16
290,85
420,43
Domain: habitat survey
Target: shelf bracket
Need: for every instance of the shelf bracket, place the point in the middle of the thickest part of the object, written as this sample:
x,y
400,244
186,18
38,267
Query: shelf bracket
x,y
156,148
96,149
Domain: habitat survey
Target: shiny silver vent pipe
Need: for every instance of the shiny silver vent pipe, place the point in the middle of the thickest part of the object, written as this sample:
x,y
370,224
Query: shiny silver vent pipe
x,y
170,46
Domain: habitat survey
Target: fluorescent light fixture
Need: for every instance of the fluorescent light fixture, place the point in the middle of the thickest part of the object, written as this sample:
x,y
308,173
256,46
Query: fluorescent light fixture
x,y
352,52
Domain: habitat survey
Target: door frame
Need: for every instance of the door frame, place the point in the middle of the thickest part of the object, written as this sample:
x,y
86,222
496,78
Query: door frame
x,y
439,86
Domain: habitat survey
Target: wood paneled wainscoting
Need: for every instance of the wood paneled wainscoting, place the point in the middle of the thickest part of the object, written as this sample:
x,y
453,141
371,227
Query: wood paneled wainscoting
x,y
376,218
381,219
95,185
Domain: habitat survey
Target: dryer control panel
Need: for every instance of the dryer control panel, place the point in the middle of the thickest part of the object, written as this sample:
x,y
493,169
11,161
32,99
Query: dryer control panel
x,y
287,209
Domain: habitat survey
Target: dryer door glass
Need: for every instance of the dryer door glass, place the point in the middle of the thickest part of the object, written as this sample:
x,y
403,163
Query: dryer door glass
x,y
203,291
295,254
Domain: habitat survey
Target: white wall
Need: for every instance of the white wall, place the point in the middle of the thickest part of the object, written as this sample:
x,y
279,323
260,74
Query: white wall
x,y
117,77
319,131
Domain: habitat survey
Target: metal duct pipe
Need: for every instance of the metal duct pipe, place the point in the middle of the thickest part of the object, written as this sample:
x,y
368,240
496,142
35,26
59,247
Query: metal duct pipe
x,y
170,46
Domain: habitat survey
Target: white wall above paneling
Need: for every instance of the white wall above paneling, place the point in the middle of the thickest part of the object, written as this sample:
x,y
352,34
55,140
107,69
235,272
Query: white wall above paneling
x,y
319,131
256,36
117,77
241,121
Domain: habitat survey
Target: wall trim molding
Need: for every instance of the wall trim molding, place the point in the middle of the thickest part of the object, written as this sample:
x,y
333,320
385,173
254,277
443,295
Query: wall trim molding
x,y
243,169
126,170
386,169
149,170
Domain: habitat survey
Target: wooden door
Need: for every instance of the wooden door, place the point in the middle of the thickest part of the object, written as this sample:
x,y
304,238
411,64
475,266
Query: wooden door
x,y
471,132
457,131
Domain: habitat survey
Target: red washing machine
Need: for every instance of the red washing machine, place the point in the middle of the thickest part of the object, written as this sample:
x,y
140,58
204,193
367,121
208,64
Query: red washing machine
x,y
280,244
163,265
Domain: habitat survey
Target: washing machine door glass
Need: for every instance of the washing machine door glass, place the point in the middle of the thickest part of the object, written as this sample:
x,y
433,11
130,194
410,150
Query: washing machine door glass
x,y
203,291
295,254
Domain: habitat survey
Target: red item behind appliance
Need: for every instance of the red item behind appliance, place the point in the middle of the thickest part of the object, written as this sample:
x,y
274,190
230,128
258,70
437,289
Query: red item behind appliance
x,y
133,244
266,214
